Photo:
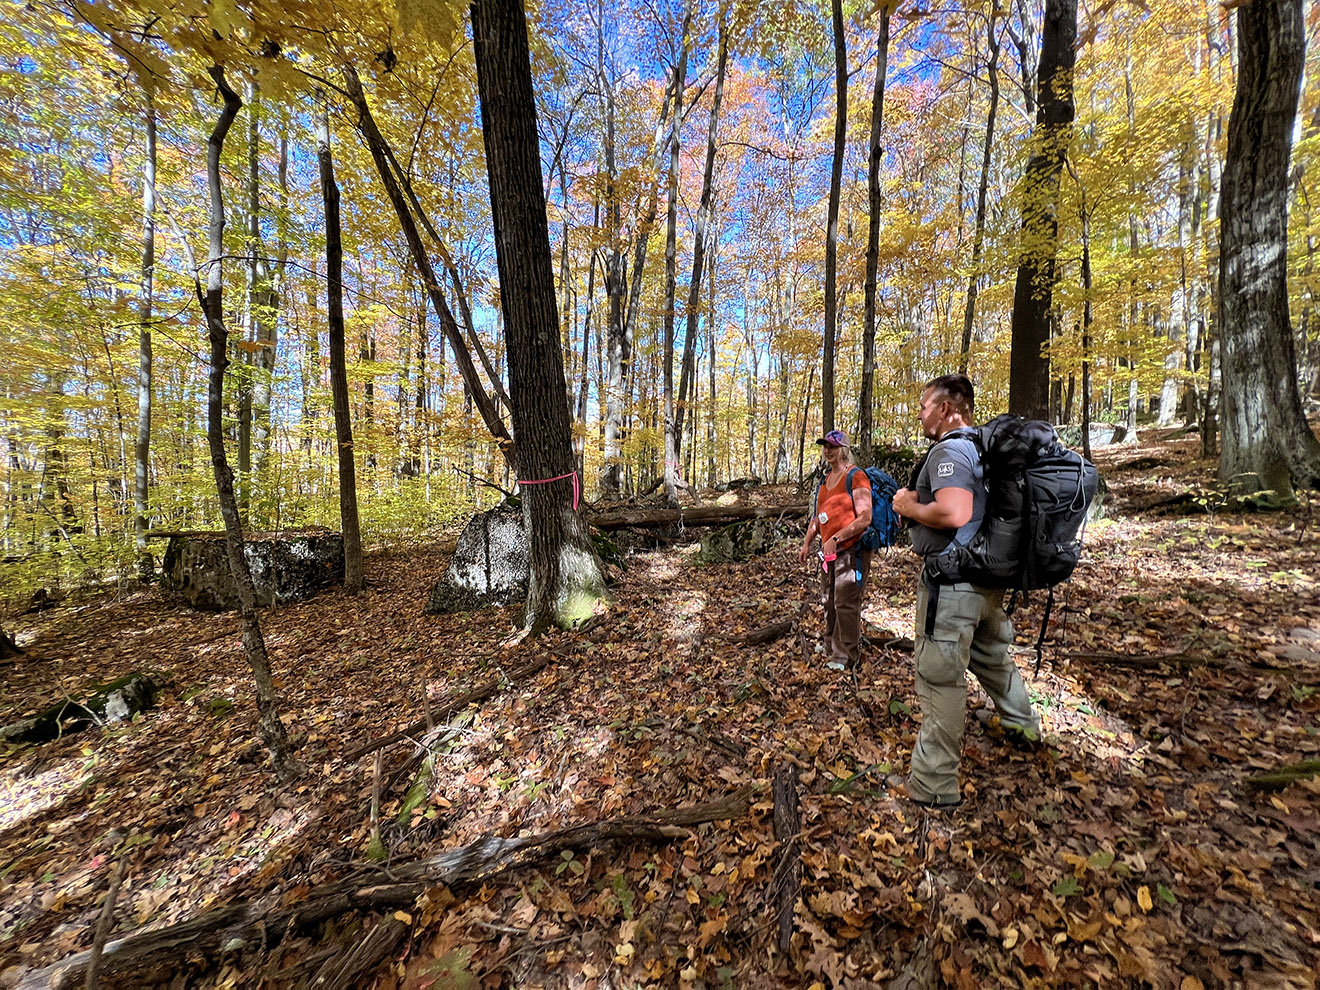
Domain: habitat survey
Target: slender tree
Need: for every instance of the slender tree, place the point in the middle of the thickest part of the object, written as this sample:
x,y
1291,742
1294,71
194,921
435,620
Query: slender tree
x,y
983,187
687,386
566,578
388,170
1033,293
212,302
865,399
142,449
832,219
1267,443
672,438
354,579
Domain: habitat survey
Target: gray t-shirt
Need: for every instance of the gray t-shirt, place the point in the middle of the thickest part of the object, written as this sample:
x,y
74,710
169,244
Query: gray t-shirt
x,y
953,463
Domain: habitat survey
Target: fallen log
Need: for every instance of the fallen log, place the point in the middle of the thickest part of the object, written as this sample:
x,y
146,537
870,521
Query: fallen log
x,y
766,634
1143,662
263,921
705,515
120,699
787,877
1278,779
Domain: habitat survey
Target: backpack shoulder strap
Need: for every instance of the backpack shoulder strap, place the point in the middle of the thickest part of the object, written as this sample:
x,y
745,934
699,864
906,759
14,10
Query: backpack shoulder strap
x,y
851,471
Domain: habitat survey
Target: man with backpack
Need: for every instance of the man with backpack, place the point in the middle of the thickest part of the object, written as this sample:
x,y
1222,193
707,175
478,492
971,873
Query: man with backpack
x,y
960,625
842,514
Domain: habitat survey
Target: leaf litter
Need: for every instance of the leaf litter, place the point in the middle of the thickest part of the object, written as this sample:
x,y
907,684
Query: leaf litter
x,y
1129,850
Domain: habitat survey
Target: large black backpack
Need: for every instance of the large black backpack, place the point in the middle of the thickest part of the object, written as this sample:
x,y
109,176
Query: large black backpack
x,y
1038,495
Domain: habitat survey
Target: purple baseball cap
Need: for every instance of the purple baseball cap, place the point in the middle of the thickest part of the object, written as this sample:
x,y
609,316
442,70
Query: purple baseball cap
x,y
835,438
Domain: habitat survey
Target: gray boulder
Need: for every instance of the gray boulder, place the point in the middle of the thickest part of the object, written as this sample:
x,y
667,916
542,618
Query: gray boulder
x,y
490,565
286,567
741,540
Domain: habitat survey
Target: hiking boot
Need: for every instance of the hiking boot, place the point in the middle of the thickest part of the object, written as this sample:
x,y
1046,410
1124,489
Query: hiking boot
x,y
899,785
1016,735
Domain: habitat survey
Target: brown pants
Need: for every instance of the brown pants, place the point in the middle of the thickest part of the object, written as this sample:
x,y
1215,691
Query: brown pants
x,y
841,590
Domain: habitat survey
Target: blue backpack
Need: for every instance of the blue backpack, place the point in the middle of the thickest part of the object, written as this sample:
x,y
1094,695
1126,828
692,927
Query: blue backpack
x,y
885,524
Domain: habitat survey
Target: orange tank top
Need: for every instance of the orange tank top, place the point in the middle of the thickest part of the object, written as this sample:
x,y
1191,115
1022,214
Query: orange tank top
x,y
834,510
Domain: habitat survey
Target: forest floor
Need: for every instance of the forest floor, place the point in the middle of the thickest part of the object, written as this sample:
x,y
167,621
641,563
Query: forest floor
x,y
1129,851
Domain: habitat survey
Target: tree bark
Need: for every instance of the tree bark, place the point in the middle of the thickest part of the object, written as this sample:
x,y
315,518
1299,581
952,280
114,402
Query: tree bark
x,y
269,285
382,156
1033,294
1267,443
982,189
354,580
618,345
566,577
687,386
672,438
832,218
865,398
212,301
142,449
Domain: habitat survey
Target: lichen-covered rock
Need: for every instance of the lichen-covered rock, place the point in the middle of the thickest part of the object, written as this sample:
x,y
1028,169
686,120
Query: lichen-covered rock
x,y
109,703
741,540
286,567
490,565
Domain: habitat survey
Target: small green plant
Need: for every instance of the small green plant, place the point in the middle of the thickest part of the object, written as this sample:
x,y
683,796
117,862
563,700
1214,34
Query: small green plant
x,y
625,894
567,861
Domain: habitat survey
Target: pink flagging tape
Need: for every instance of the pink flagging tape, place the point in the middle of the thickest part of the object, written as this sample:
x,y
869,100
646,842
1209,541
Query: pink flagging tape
x,y
545,481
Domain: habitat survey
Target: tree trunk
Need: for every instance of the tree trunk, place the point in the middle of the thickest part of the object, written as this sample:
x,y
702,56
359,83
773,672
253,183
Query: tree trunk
x,y
832,219
618,344
354,580
865,398
1033,294
566,578
1087,317
687,387
382,155
142,449
1267,443
978,236
272,729
1180,317
672,437
270,288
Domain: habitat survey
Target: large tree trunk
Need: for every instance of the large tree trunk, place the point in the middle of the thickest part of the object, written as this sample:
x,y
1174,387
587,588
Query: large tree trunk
x,y
687,386
1267,443
832,218
865,398
566,578
354,580
272,729
982,189
1033,294
142,449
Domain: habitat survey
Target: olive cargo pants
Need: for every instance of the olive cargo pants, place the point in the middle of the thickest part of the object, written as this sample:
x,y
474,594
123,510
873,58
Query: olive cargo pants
x,y
969,630
841,589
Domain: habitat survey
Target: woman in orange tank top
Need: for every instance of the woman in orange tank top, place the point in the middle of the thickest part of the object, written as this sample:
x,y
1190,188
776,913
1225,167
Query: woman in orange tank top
x,y
840,517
